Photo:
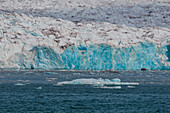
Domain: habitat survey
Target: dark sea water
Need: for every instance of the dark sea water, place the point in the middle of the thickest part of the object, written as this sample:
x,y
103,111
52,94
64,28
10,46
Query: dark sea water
x,y
37,92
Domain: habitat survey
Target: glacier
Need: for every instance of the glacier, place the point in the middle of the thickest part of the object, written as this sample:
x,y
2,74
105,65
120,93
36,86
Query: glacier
x,y
31,39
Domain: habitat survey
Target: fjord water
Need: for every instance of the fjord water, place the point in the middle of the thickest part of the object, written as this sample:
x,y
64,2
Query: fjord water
x,y
37,92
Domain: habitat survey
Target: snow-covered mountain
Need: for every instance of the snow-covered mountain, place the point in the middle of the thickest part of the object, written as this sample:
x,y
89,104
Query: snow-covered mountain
x,y
88,34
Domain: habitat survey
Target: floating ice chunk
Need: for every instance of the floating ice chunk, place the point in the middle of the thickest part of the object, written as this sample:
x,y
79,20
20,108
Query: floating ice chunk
x,y
131,86
23,82
76,73
115,80
52,73
19,84
39,88
107,80
96,82
20,80
28,72
27,81
92,73
117,87
106,87
51,79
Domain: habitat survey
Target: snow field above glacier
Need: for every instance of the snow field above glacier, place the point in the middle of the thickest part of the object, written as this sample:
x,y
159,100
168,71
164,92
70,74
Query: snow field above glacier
x,y
132,13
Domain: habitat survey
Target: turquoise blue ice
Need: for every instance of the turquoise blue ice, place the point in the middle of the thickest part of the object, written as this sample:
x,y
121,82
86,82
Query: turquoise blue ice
x,y
102,57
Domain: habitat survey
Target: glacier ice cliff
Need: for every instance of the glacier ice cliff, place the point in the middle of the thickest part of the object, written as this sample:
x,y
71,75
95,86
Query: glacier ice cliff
x,y
32,39
101,57
95,57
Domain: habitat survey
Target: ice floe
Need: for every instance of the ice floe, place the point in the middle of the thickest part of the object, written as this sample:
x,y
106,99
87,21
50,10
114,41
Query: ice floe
x,y
39,88
19,84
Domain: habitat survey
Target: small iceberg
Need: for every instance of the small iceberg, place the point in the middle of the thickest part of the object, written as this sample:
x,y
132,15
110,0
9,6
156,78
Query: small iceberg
x,y
29,72
92,73
106,87
96,82
131,86
51,79
76,73
51,73
39,88
117,87
19,84
24,82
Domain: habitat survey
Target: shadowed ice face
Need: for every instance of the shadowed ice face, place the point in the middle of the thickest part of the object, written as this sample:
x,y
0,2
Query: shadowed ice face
x,y
168,52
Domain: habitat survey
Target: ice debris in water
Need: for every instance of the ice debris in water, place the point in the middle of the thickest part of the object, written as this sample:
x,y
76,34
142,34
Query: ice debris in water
x,y
52,73
96,82
106,87
131,86
39,88
22,82
76,73
19,84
